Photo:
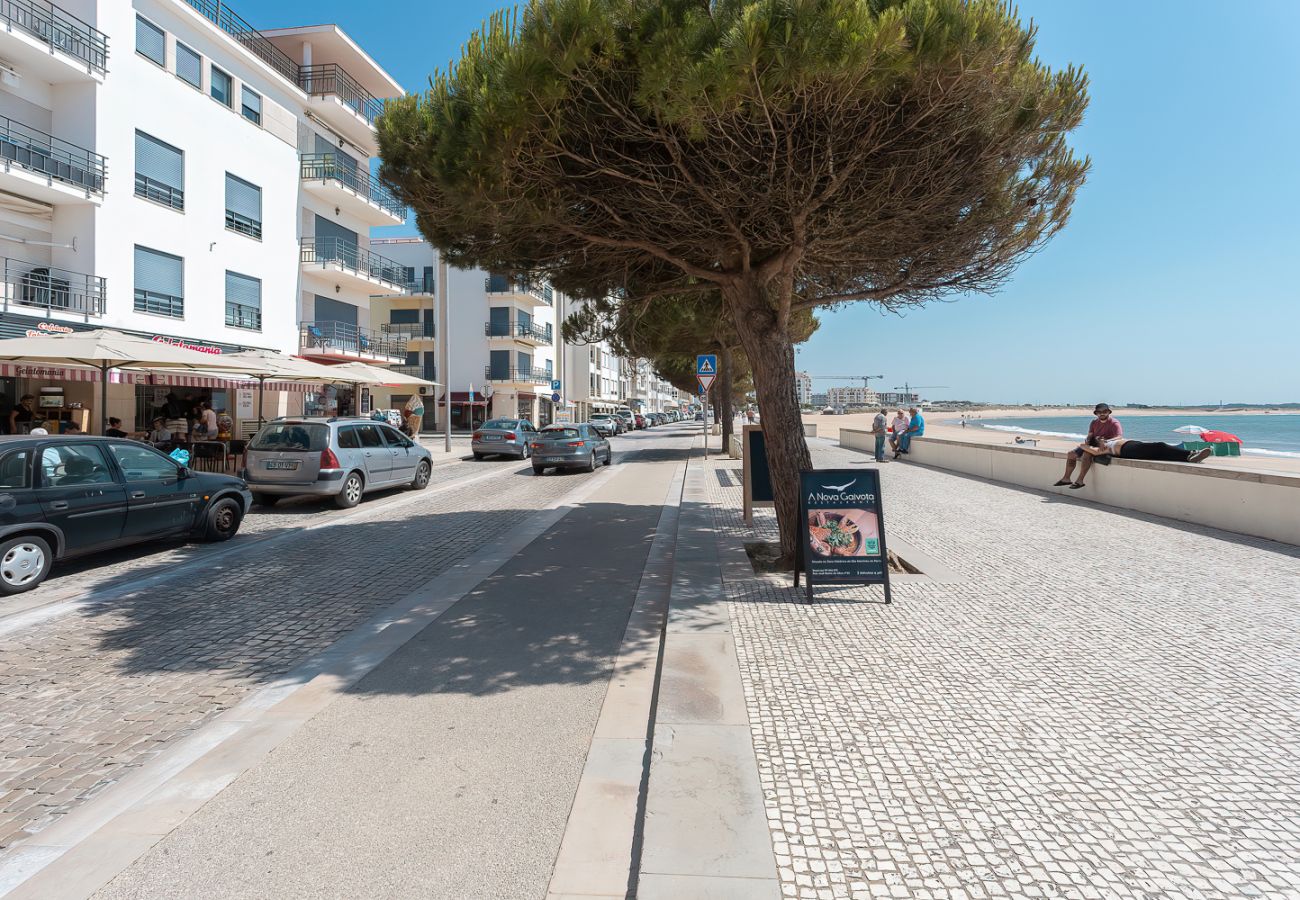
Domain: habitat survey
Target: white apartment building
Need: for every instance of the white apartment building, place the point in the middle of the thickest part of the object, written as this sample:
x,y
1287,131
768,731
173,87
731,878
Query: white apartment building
x,y
803,388
851,396
502,337
594,379
170,171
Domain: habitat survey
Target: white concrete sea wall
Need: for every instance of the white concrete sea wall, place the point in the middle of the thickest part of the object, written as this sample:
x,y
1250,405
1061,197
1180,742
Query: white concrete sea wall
x,y
1262,504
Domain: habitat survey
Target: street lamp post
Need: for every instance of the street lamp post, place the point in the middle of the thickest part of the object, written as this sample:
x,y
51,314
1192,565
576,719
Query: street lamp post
x,y
446,354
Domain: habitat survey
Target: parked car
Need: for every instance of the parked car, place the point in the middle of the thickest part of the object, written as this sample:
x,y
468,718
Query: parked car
x,y
639,419
338,457
607,425
62,497
570,447
503,437
629,419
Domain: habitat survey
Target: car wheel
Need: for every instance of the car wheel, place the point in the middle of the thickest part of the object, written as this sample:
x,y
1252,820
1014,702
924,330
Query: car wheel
x,y
24,563
609,457
350,496
266,499
591,463
525,453
539,470
421,479
223,520
480,455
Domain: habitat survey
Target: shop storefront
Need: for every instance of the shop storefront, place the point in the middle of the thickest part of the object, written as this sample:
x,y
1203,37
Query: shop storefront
x,y
468,411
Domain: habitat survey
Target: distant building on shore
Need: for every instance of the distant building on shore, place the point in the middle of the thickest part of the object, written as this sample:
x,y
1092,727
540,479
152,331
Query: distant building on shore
x,y
899,398
803,388
851,396
819,400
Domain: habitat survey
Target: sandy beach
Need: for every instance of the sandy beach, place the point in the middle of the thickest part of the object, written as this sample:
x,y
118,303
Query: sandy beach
x,y
829,427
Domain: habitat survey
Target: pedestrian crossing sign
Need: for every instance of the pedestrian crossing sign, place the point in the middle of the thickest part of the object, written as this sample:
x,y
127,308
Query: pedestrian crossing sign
x,y
706,364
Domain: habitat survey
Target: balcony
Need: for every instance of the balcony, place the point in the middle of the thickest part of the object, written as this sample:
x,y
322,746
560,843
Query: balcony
x,y
341,183
425,372
341,260
517,376
218,12
50,43
535,292
35,286
341,101
518,331
45,168
343,342
410,331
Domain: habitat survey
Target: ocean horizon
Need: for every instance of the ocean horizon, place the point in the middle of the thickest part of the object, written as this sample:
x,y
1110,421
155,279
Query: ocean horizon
x,y
1276,435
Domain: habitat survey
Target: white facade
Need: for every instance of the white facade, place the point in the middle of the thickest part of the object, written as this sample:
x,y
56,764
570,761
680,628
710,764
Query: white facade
x,y
120,142
851,396
803,388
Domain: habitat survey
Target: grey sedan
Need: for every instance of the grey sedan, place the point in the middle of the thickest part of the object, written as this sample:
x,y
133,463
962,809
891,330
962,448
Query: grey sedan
x,y
570,447
503,437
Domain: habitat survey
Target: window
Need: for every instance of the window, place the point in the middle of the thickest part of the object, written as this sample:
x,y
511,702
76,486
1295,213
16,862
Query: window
x,y
243,207
251,105
189,66
68,465
143,464
394,437
369,435
348,439
15,473
243,301
222,88
159,283
159,171
404,317
302,437
150,42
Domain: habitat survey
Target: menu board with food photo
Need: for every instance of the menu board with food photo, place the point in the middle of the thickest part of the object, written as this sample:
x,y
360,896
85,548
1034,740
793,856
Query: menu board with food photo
x,y
843,528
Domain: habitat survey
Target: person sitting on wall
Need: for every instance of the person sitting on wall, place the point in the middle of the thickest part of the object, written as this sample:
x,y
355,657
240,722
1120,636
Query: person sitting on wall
x,y
915,429
1103,428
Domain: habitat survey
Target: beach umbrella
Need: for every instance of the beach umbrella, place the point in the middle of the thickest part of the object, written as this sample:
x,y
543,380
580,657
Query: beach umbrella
x,y
265,365
105,349
1189,429
1220,437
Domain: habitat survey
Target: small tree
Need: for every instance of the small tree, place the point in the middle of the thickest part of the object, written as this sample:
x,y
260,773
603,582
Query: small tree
x,y
784,154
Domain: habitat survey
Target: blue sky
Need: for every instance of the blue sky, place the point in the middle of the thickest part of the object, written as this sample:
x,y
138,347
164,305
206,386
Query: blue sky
x,y
1174,281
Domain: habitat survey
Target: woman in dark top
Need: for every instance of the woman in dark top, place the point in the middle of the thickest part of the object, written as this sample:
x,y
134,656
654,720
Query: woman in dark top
x,y
20,419
114,428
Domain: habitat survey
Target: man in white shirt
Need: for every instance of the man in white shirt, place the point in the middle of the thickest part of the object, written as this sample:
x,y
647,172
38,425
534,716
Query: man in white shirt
x,y
899,426
160,434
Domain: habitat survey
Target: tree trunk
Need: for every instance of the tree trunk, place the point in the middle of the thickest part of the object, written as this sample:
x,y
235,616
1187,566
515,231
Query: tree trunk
x,y
726,405
771,358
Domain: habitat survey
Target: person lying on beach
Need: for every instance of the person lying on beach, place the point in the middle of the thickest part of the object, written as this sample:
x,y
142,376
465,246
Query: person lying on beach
x,y
1156,451
1104,427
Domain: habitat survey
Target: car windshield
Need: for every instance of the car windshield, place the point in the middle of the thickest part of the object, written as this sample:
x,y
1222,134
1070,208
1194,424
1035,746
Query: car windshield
x,y
504,424
599,417
303,437
559,432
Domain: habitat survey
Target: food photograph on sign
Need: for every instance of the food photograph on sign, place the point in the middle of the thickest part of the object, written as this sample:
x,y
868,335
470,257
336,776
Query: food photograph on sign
x,y
843,532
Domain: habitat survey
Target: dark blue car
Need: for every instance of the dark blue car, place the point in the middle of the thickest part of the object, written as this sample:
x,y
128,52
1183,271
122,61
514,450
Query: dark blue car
x,y
66,496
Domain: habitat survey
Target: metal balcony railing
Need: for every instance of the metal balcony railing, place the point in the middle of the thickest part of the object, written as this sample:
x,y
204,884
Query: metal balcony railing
x,y
58,28
500,284
219,13
339,251
519,331
52,289
410,330
344,338
517,375
331,167
333,79
44,154
425,372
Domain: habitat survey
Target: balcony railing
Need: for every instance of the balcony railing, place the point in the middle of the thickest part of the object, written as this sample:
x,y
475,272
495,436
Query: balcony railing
x,y
520,375
500,284
333,79
329,167
219,13
47,155
519,331
410,330
35,285
425,372
342,252
58,28
343,338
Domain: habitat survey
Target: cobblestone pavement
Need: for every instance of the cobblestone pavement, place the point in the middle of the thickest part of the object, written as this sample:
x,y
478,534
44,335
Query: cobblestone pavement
x,y
89,695
1105,705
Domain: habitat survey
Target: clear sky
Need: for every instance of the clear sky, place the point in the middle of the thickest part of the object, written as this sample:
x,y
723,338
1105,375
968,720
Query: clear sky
x,y
1176,280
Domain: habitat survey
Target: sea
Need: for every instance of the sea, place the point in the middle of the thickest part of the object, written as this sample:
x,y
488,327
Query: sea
x,y
1273,434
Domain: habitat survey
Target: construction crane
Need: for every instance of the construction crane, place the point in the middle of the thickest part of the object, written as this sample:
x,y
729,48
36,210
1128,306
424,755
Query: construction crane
x,y
866,379
910,389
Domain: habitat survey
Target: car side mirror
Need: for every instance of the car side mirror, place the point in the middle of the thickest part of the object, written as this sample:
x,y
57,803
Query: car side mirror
x,y
183,472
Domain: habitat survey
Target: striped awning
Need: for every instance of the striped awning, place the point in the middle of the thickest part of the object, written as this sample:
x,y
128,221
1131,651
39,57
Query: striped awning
x,y
168,379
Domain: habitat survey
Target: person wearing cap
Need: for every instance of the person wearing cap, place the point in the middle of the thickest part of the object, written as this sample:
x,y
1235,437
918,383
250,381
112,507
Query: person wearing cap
x,y
1105,427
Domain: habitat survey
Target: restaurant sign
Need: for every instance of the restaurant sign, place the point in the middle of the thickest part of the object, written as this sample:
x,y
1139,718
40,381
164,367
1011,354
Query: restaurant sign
x,y
44,328
184,344
842,529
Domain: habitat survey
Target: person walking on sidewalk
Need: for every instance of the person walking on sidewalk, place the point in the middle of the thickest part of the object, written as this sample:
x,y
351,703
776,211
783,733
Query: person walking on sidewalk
x,y
1104,427
414,414
878,428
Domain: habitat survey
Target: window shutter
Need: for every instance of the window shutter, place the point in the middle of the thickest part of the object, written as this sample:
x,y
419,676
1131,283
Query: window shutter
x,y
189,65
159,273
150,41
244,290
243,198
159,162
252,105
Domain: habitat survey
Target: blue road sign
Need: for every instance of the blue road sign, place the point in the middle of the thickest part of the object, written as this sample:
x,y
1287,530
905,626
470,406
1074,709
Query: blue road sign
x,y
555,398
703,390
555,385
706,364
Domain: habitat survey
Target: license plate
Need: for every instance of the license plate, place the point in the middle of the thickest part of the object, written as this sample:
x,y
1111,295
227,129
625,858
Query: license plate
x,y
491,437
555,459
281,464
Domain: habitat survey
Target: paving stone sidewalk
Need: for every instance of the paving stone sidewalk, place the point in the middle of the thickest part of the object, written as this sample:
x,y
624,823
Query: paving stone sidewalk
x,y
90,695
1104,704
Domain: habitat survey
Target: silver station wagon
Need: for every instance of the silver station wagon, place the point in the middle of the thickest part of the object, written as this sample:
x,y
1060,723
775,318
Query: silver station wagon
x,y
342,458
